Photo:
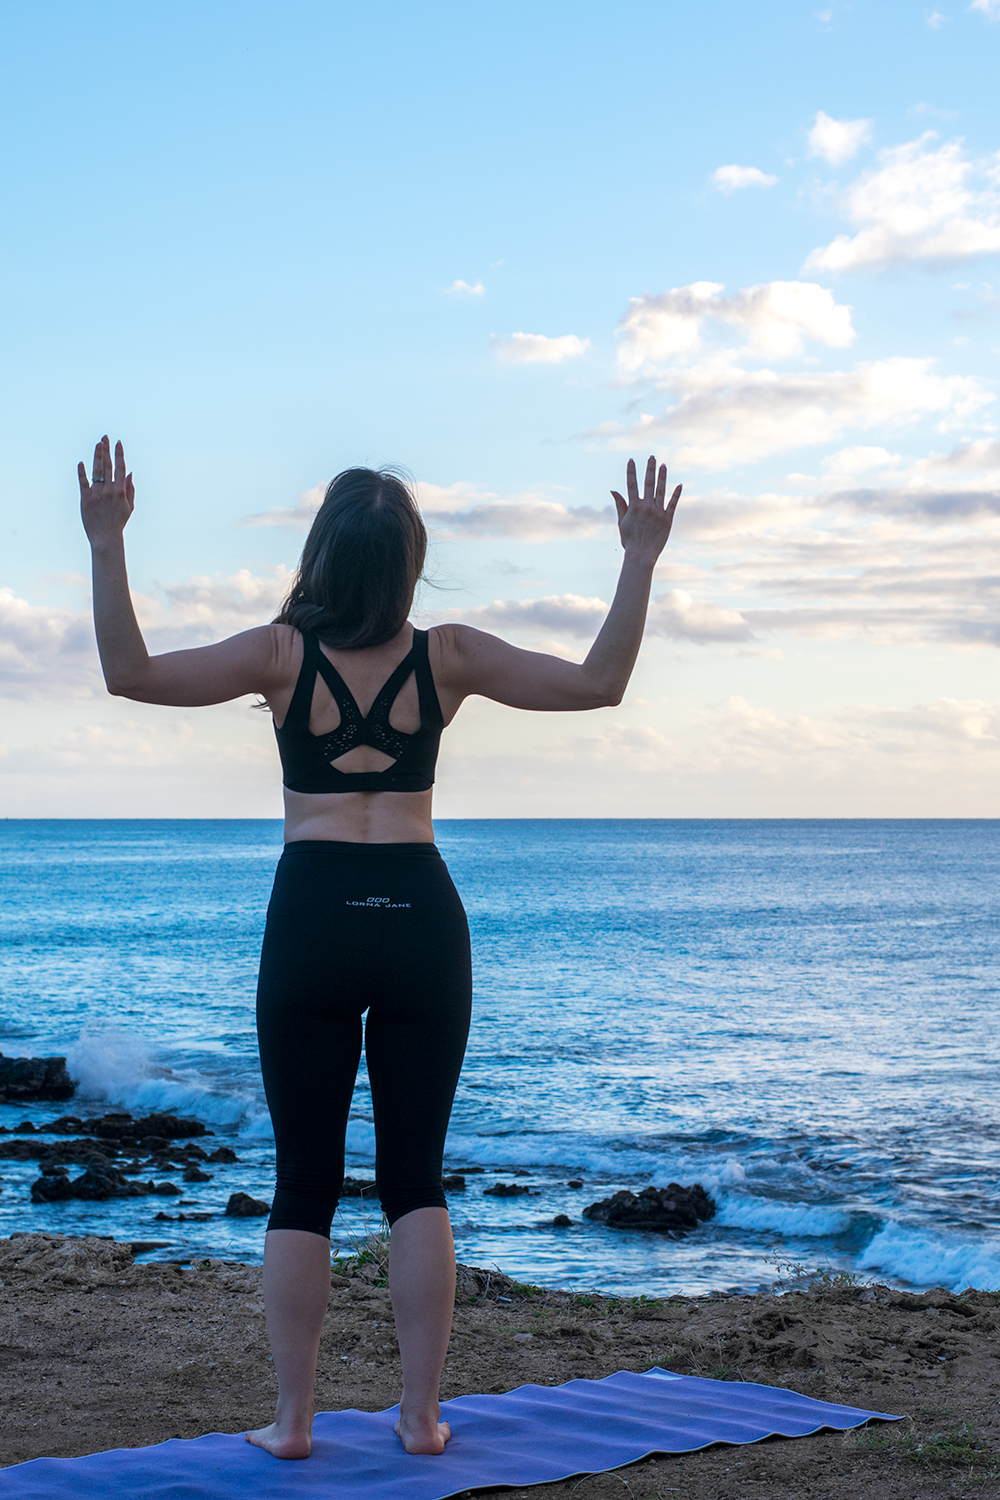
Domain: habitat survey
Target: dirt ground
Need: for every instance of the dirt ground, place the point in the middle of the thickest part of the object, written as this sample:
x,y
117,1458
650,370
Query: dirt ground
x,y
97,1352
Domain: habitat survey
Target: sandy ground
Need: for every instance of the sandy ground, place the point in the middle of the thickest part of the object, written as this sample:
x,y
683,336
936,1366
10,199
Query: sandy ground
x,y
97,1352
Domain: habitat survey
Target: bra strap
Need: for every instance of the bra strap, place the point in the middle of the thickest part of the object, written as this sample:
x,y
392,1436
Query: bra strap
x,y
431,716
297,717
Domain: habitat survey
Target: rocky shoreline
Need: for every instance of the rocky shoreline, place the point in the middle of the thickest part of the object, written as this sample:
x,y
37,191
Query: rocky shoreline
x,y
97,1351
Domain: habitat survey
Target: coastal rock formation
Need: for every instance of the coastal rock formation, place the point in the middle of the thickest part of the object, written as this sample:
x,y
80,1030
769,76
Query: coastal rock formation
x,y
506,1190
101,1180
242,1206
673,1209
24,1078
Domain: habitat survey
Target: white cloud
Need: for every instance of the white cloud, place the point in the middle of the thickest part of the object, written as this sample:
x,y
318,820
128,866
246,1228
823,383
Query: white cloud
x,y
775,318
989,8
918,206
836,141
45,650
725,415
860,460
678,616
300,515
51,652
564,614
464,289
730,179
463,510
538,349
525,520
936,20
674,615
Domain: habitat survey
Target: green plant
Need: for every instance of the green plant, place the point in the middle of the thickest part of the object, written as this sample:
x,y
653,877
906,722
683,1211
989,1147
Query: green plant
x,y
371,1250
955,1447
794,1276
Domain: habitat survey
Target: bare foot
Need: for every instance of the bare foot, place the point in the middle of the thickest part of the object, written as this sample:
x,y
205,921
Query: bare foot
x,y
284,1441
422,1434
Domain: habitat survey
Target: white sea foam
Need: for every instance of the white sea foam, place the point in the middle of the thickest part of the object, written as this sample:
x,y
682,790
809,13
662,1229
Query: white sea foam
x,y
741,1211
923,1259
115,1067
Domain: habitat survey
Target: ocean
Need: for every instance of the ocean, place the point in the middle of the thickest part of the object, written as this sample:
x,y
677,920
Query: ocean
x,y
800,1015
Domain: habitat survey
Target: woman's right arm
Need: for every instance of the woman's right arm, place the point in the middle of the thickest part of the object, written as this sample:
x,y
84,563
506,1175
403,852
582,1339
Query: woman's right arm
x,y
255,661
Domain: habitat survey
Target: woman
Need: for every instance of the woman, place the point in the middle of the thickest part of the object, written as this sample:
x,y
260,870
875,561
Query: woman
x,y
363,915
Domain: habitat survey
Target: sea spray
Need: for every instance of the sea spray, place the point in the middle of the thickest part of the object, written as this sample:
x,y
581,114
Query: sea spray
x,y
113,1066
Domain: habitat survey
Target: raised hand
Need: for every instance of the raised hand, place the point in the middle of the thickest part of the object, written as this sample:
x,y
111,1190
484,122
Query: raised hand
x,y
107,499
644,521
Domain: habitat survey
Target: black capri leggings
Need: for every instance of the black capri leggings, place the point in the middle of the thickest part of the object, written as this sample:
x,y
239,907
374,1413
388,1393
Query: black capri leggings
x,y
355,927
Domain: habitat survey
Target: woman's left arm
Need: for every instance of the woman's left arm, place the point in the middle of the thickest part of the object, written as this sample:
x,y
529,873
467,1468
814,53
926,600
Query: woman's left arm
x,y
246,663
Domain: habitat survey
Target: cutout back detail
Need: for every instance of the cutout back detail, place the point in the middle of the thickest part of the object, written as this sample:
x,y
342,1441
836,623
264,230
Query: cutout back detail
x,y
307,759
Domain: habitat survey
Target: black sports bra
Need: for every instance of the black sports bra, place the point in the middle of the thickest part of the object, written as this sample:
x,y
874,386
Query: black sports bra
x,y
306,757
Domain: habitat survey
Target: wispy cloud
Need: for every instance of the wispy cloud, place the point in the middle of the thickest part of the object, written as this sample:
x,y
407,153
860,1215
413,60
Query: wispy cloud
x,y
298,515
923,204
539,349
730,179
988,8
465,289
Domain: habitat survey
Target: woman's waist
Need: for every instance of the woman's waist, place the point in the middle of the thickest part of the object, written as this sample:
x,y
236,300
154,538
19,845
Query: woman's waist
x,y
359,818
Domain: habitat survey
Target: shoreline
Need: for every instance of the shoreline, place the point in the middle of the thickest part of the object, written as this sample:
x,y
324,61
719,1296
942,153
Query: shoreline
x,y
101,1352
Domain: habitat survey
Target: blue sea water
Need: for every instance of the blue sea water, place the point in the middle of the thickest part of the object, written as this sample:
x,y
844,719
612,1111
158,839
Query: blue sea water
x,y
801,1015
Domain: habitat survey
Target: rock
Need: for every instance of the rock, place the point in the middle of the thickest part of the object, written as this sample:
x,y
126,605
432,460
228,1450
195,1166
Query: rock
x,y
59,1153
194,1174
357,1187
64,1259
453,1183
65,1125
575,1182
671,1208
24,1078
242,1206
167,1127
99,1181
142,1247
164,1189
53,1187
223,1154
561,1222
506,1190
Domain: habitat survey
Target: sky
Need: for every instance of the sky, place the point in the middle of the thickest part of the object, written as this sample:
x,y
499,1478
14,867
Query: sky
x,y
508,246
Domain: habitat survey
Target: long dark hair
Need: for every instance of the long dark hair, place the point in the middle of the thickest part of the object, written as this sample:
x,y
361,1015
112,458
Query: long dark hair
x,y
361,562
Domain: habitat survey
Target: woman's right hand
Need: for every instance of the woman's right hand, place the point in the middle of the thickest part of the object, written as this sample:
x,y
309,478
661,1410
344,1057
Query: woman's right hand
x,y
108,498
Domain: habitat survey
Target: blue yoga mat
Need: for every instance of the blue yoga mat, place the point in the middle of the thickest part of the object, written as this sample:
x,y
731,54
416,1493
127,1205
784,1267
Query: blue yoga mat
x,y
532,1435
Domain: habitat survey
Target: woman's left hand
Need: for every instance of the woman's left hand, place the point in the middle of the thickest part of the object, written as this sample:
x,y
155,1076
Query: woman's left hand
x,y
108,498
644,521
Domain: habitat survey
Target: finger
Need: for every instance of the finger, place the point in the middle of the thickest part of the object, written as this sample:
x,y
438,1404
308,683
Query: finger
x,y
119,464
650,482
631,484
81,474
661,484
673,502
620,505
98,469
129,489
